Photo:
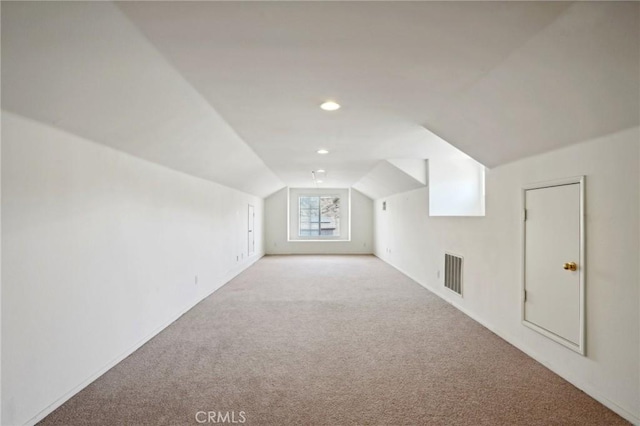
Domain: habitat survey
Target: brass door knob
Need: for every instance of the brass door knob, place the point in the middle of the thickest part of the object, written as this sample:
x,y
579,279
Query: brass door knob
x,y
571,266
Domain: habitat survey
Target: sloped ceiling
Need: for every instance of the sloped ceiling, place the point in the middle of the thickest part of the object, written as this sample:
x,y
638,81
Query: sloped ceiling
x,y
577,79
83,67
386,178
230,90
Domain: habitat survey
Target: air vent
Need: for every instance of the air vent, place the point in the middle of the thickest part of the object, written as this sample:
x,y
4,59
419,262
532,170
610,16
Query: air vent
x,y
453,273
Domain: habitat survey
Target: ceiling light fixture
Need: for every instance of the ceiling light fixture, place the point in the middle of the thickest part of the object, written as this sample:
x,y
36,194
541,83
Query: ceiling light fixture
x,y
318,181
320,171
330,106
322,151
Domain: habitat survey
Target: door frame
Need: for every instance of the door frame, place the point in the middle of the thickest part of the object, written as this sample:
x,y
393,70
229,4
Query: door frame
x,y
580,180
251,229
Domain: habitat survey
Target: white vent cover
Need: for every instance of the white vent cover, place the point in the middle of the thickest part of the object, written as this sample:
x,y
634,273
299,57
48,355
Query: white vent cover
x,y
453,273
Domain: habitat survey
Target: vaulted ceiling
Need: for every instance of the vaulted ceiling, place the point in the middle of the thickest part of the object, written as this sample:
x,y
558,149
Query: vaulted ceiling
x,y
229,91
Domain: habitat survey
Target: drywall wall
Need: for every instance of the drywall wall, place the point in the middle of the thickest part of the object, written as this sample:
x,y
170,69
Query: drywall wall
x,y
87,68
101,250
0,279
386,179
414,167
409,239
276,225
456,187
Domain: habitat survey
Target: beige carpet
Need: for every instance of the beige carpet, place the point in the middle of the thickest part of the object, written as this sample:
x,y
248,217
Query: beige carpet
x,y
329,340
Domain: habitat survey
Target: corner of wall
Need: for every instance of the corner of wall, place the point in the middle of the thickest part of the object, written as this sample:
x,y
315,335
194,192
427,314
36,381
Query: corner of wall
x,y
156,226
413,242
277,228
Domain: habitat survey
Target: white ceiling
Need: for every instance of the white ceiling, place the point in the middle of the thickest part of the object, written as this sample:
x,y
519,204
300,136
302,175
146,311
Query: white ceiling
x,y
83,67
229,91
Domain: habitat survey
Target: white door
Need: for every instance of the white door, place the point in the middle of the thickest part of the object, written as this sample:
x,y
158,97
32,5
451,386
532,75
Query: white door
x,y
553,262
251,231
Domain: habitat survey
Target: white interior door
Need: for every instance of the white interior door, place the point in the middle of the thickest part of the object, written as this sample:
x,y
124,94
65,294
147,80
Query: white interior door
x,y
553,263
251,231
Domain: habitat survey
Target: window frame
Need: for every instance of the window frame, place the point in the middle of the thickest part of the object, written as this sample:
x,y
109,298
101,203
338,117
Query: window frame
x,y
293,213
320,216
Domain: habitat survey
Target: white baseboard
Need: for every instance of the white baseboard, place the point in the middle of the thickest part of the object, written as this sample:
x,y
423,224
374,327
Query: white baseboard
x,y
64,398
294,253
586,388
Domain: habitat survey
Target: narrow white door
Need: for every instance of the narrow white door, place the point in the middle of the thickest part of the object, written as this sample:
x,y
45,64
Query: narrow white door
x,y
553,278
251,231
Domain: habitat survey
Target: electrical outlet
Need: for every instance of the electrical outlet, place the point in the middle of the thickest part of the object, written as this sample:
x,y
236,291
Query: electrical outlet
x,y
237,258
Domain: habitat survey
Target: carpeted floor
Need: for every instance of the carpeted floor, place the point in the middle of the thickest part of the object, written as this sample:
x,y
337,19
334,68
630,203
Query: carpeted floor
x,y
329,340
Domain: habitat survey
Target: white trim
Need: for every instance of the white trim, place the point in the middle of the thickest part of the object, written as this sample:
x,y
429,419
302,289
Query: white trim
x,y
349,218
335,240
288,213
581,346
585,387
293,227
251,209
328,194
109,365
554,182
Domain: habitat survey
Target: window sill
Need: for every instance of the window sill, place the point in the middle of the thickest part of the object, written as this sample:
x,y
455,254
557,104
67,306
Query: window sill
x,y
319,241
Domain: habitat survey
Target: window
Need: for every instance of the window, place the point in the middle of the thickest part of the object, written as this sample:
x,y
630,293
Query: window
x,y
319,216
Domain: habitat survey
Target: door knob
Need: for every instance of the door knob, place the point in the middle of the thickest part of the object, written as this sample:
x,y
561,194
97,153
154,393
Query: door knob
x,y
571,266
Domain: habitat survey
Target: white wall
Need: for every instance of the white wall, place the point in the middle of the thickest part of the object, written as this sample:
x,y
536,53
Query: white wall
x,y
409,239
276,224
87,68
100,252
456,186
0,276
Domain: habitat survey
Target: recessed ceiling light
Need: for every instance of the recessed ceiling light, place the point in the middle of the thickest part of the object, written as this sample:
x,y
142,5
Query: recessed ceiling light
x,y
322,151
320,171
318,181
330,106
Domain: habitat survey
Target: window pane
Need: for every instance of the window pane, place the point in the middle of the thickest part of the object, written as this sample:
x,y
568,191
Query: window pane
x,y
319,216
309,202
330,210
305,202
308,213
